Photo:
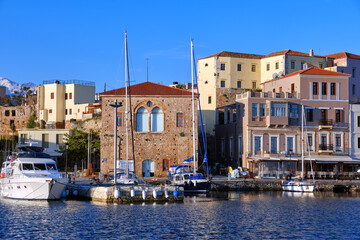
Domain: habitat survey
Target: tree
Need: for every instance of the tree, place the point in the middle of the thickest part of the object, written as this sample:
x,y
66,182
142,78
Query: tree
x,y
31,122
78,146
19,95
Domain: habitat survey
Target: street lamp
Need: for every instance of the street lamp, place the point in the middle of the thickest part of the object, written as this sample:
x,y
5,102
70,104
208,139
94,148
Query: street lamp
x,y
66,166
94,161
115,105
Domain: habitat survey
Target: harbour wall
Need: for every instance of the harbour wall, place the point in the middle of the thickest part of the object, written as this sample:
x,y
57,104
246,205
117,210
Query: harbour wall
x,y
275,185
124,194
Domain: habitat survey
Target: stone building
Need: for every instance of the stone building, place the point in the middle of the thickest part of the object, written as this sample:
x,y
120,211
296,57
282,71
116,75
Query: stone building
x,y
16,115
162,128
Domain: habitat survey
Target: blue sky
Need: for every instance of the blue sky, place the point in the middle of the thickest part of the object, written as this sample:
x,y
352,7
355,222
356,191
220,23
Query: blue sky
x,y
84,40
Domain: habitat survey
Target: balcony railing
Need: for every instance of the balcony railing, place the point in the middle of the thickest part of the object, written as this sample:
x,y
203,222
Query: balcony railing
x,y
326,147
326,122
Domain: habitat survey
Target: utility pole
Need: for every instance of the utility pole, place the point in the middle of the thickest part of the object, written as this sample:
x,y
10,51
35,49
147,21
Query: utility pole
x,y
115,105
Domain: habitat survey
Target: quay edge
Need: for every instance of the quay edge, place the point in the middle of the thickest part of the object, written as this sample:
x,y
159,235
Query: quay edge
x,y
106,193
275,185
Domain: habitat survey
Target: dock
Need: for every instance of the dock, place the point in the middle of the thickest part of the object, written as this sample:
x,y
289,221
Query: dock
x,y
124,193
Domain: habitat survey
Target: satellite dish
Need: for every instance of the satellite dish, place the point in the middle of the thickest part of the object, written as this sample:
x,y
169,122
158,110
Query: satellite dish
x,y
274,76
281,74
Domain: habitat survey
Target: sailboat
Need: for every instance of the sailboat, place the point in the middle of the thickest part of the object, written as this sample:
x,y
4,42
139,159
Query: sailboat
x,y
124,176
185,175
299,184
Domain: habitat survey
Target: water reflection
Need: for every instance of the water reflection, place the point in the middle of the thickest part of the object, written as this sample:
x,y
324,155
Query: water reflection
x,y
226,215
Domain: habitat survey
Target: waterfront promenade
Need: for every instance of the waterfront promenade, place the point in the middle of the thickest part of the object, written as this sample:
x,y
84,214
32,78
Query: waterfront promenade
x,y
157,189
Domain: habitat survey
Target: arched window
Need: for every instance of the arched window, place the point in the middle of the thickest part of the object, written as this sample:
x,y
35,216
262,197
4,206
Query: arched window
x,y
157,120
142,120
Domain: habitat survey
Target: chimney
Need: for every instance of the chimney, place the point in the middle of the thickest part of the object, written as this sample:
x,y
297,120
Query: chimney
x,y
311,53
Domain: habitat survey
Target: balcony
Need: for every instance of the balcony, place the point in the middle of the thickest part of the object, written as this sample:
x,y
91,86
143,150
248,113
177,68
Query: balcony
x,y
325,124
272,121
326,148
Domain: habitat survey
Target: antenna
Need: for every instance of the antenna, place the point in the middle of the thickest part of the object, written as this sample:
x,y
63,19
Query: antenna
x,y
104,86
147,69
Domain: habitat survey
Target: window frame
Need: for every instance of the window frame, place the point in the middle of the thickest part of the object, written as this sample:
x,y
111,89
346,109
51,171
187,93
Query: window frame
x,y
179,119
222,67
239,67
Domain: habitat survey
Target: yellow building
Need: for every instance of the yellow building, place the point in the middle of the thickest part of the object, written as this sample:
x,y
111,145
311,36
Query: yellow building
x,y
61,101
223,75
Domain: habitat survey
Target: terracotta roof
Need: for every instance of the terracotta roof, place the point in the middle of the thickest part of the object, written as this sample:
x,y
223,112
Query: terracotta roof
x,y
236,55
256,56
343,55
311,71
148,88
291,52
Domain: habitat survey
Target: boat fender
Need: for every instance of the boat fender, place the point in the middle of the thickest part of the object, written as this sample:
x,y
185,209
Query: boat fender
x,y
154,193
132,193
116,193
194,183
144,194
75,192
63,195
176,193
166,194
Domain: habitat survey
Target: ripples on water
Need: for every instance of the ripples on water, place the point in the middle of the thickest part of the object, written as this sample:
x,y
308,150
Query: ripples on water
x,y
230,215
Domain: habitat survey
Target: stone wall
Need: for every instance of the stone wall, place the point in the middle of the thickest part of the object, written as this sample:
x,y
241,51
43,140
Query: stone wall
x,y
226,96
173,143
19,115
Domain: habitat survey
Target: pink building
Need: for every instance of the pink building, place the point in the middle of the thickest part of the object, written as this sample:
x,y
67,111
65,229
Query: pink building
x,y
262,131
349,63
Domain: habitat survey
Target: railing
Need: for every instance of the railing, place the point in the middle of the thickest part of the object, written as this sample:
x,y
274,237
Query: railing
x,y
326,147
74,81
325,122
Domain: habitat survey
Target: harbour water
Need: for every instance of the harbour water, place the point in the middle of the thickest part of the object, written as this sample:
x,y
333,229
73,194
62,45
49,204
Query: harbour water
x,y
232,215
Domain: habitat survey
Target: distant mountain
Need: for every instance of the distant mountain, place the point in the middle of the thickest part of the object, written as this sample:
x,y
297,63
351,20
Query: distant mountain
x,y
13,86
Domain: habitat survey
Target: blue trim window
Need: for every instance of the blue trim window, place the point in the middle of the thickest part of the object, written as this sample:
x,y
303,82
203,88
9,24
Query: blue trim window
x,y
222,67
254,110
239,67
222,84
238,84
278,109
261,110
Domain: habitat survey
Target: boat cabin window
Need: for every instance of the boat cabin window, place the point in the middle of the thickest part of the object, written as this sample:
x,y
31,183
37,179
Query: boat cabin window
x,y
39,166
186,176
51,166
27,166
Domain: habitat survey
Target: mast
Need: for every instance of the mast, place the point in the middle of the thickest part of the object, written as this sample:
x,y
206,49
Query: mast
x,y
126,107
193,105
302,141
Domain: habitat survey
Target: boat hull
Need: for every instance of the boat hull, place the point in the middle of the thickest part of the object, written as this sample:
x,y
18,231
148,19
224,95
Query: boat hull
x,y
32,188
195,186
298,187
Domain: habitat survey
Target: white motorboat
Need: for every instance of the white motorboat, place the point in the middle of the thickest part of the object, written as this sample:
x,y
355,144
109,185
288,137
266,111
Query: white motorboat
x,y
184,176
31,175
298,185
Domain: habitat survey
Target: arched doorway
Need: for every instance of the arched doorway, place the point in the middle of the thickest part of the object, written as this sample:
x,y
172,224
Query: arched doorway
x,y
148,168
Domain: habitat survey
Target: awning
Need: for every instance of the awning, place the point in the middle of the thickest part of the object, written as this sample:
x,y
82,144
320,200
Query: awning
x,y
334,159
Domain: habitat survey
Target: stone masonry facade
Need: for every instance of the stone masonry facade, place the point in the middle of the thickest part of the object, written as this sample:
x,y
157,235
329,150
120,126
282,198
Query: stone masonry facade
x,y
166,148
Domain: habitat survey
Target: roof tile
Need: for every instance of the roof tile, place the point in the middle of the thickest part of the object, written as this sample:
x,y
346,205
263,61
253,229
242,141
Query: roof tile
x,y
148,88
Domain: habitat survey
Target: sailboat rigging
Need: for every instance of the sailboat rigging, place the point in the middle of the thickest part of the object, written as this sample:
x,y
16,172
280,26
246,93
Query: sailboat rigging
x,y
300,185
127,178
183,175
